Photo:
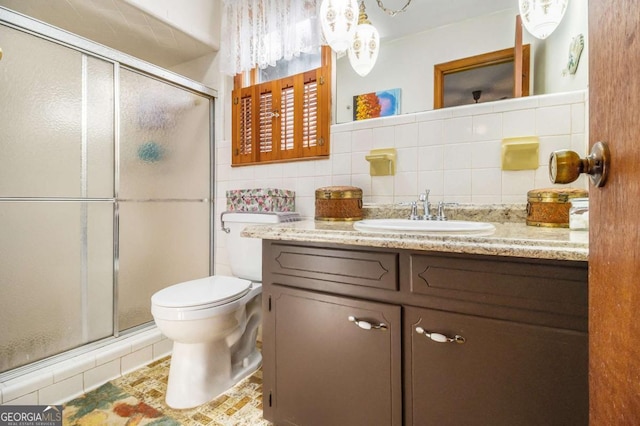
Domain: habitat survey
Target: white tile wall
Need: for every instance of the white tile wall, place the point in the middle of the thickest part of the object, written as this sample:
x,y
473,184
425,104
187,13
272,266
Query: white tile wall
x,y
455,152
101,374
134,360
162,348
61,382
62,391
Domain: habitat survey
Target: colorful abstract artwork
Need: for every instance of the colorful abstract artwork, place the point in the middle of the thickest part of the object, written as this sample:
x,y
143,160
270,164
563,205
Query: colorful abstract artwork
x,y
376,104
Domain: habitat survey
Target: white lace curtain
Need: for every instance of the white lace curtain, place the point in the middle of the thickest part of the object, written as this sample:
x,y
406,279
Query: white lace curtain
x,y
257,33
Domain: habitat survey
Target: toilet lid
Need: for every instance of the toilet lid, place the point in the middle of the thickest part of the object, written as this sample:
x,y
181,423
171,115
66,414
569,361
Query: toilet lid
x,y
204,292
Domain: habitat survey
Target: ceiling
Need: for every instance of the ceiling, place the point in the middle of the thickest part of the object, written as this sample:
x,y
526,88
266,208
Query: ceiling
x,y
422,15
120,25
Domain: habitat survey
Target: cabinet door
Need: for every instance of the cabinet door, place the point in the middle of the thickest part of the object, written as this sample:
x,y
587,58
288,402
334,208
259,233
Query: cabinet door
x,y
504,373
320,368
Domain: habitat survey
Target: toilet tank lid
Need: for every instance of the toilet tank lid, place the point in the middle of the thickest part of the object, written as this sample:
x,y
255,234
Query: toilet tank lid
x,y
259,217
216,290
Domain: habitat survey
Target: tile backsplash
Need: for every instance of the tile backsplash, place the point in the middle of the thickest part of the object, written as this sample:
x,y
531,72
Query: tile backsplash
x,y
455,152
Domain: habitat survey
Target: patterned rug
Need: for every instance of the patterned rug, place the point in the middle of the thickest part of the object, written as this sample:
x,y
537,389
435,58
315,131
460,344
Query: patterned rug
x,y
138,399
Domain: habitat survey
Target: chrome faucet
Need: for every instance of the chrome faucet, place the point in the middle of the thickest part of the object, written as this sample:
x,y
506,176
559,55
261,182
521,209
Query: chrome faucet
x,y
426,205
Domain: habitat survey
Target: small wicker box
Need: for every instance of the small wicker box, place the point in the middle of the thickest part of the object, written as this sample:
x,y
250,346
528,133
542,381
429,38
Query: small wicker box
x,y
550,207
339,203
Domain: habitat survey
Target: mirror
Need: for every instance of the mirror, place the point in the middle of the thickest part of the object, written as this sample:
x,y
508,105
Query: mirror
x,y
486,77
435,32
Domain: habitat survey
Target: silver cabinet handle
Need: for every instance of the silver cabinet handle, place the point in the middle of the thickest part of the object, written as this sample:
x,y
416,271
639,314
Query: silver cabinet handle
x,y
440,338
367,325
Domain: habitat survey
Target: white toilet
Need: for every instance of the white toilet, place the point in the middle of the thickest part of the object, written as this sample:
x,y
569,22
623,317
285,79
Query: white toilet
x,y
213,321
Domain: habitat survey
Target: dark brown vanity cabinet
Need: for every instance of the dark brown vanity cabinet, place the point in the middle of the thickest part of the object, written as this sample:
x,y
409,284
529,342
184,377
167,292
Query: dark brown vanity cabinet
x,y
461,339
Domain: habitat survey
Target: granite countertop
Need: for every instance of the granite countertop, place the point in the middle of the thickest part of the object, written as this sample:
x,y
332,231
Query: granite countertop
x,y
512,236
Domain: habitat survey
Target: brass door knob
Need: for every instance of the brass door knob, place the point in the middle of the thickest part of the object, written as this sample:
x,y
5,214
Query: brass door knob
x,y
566,166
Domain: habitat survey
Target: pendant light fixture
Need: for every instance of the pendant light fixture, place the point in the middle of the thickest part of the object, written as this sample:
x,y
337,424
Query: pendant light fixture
x,y
338,19
542,17
365,45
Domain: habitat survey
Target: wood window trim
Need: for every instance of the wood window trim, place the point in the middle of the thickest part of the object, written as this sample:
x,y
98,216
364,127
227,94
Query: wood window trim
x,y
478,61
310,120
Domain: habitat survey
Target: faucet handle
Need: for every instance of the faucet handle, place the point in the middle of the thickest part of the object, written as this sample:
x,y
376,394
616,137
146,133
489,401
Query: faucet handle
x,y
414,211
424,199
441,215
441,206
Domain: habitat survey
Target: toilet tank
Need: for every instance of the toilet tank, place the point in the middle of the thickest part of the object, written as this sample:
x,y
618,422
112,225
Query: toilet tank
x,y
245,254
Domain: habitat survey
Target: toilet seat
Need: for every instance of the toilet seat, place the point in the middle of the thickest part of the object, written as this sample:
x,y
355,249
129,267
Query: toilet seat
x,y
202,293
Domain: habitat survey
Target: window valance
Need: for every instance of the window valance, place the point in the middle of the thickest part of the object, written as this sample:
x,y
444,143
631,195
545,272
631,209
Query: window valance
x,y
257,33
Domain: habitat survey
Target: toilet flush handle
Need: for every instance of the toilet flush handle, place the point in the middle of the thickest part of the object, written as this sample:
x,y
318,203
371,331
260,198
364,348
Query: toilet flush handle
x,y
223,228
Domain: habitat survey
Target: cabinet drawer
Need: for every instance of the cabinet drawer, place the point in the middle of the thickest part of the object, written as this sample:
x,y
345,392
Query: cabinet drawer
x,y
357,267
560,289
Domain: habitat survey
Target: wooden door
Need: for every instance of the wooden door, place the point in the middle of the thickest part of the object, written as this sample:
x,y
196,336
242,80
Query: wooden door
x,y
614,243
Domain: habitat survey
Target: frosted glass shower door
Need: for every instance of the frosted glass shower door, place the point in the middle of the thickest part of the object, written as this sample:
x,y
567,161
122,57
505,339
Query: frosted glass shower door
x,y
164,196
56,198
56,107
56,278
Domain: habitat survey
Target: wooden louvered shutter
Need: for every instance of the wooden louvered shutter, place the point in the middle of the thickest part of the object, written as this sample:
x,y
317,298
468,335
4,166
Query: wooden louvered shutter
x,y
315,114
310,111
288,118
282,119
243,126
267,116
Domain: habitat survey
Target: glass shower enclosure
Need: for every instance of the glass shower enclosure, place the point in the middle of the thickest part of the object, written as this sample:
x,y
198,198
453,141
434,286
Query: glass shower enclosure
x,y
105,189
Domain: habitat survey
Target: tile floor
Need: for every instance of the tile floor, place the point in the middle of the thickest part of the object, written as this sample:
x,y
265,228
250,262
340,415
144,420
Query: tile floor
x,y
240,405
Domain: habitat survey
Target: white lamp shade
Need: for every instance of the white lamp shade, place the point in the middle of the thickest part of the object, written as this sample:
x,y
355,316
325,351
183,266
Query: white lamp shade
x,y
364,49
339,19
542,17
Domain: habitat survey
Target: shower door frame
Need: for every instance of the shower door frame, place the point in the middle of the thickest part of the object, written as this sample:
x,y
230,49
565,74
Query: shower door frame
x,y
119,60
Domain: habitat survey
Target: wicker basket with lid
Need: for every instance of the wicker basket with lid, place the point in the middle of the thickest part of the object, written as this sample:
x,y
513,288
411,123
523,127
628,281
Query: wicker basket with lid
x,y
339,203
549,207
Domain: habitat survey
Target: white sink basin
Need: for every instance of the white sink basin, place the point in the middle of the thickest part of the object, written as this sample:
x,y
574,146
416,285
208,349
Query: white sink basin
x,y
424,226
